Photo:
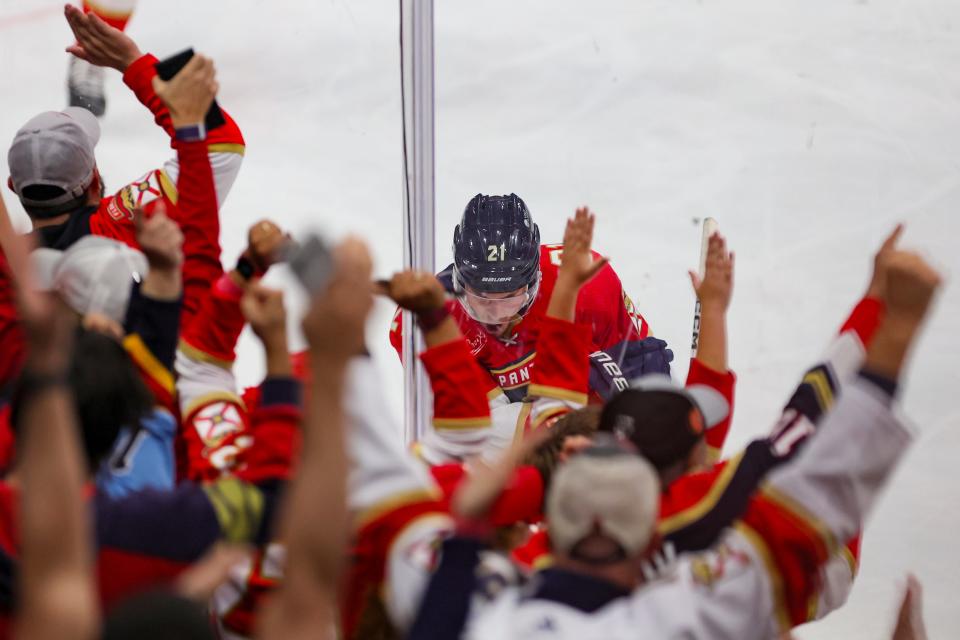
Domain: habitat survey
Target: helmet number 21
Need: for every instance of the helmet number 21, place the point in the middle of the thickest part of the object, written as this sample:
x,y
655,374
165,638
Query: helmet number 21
x,y
497,254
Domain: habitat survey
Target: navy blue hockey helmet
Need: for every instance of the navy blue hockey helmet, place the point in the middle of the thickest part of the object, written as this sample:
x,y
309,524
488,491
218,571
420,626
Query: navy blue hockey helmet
x,y
496,250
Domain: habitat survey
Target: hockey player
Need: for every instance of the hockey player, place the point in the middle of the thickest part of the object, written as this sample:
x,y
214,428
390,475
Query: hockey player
x,y
85,80
756,582
503,278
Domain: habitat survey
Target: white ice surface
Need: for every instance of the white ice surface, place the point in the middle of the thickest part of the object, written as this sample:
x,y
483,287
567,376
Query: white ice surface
x,y
806,127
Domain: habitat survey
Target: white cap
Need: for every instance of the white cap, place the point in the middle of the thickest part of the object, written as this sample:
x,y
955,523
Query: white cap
x,y
615,494
94,275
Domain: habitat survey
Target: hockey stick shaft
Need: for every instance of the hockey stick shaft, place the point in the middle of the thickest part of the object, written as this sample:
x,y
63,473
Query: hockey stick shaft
x,y
710,226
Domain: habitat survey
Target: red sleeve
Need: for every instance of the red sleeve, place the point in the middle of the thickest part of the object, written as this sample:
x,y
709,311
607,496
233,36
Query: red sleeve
x,y
448,476
198,216
213,332
460,386
396,332
7,443
865,319
12,344
724,383
276,432
793,549
521,500
562,368
139,77
535,552
688,491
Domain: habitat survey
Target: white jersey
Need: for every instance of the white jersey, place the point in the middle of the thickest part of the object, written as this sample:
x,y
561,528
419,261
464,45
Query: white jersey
x,y
737,590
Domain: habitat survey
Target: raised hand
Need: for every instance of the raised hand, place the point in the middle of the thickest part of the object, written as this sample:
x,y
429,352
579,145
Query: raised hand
x,y
416,291
910,624
189,94
716,287
263,309
578,265
910,285
909,288
335,323
878,280
265,241
160,240
98,43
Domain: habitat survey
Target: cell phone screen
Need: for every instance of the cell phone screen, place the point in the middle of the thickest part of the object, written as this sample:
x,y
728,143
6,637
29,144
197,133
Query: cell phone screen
x,y
171,66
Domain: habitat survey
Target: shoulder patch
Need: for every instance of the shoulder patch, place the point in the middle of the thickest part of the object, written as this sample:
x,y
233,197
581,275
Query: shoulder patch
x,y
216,422
138,193
709,568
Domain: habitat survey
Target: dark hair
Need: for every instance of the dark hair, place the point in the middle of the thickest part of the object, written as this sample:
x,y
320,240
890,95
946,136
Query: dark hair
x,y
158,615
546,457
108,392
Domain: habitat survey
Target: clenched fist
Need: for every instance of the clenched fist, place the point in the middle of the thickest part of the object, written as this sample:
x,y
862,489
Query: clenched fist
x,y
416,291
910,285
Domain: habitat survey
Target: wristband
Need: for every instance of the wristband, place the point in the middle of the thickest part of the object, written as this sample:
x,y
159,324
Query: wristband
x,y
30,384
191,133
246,268
430,320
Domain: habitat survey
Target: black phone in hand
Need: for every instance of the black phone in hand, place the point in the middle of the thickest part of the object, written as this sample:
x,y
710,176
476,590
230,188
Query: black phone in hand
x,y
171,66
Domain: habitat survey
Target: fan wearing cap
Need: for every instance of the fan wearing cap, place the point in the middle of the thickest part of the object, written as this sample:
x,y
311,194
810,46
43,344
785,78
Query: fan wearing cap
x,y
755,583
134,298
667,423
54,173
503,278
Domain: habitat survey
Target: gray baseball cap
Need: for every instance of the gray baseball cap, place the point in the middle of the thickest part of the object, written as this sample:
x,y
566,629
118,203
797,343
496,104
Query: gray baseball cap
x,y
54,149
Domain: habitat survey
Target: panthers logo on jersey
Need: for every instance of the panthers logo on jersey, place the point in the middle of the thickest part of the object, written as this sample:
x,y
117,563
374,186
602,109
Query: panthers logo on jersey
x,y
218,421
135,195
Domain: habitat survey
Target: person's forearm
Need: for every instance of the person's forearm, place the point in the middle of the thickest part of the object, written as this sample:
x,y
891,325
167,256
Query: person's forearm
x,y
139,77
888,350
712,346
278,356
162,284
563,300
316,517
56,539
196,214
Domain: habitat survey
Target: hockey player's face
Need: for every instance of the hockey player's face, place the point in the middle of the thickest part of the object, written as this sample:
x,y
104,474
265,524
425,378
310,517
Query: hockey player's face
x,y
495,308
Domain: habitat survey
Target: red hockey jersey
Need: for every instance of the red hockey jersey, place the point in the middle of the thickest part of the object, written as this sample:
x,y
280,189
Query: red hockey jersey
x,y
602,305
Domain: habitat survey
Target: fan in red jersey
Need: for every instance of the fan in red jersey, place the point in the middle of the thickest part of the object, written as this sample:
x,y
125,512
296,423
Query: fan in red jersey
x,y
503,278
